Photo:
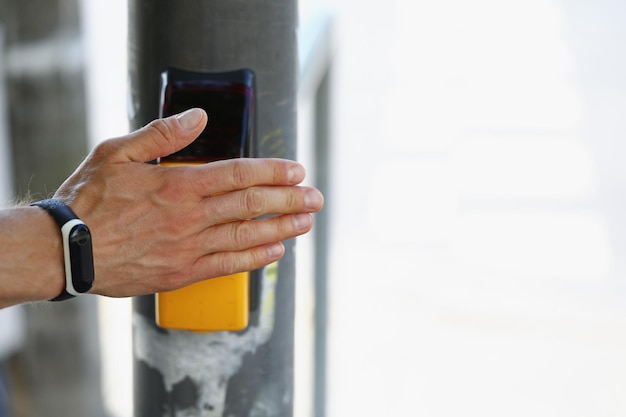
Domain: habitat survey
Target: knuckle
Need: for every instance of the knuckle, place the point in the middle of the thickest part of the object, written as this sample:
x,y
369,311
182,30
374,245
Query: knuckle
x,y
281,227
104,149
277,170
286,226
244,234
160,128
293,200
241,175
228,265
170,188
278,173
254,202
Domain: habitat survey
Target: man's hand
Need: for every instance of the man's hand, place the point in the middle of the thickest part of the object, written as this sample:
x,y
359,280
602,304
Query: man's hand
x,y
157,228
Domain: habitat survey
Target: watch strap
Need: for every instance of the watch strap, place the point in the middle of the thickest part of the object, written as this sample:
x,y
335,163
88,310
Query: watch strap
x,y
57,209
62,214
63,296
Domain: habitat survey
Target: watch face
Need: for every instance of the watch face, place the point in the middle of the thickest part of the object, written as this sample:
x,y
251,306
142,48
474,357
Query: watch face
x,y
82,258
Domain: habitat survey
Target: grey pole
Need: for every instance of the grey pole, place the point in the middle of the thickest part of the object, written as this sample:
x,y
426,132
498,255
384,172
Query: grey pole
x,y
249,373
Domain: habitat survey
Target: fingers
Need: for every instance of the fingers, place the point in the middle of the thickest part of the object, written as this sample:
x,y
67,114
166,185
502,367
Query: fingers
x,y
226,263
161,137
238,174
247,245
260,201
242,235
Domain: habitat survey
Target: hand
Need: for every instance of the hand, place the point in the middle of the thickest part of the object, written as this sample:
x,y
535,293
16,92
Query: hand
x,y
157,228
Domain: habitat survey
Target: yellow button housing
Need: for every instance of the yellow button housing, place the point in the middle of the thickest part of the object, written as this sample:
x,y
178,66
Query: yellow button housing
x,y
215,304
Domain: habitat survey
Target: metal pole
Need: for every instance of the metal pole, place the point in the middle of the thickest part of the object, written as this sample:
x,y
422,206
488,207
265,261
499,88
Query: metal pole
x,y
249,373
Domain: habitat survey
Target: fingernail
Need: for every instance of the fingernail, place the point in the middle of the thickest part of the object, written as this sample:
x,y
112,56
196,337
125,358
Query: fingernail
x,y
313,199
302,221
190,119
276,250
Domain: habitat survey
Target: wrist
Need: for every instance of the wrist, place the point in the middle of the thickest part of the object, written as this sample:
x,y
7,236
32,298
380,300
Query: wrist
x,y
32,257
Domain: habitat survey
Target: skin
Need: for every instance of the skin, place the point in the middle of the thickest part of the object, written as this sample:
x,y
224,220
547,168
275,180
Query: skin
x,y
157,228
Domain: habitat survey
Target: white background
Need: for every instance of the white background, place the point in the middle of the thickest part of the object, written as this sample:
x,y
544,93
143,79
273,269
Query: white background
x,y
478,234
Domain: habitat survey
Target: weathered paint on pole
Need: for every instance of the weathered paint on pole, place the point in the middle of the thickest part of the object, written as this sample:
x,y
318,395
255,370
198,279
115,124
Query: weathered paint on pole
x,y
248,373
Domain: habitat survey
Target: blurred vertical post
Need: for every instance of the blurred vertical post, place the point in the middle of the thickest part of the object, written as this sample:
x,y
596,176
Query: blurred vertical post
x,y
56,372
248,373
6,168
315,89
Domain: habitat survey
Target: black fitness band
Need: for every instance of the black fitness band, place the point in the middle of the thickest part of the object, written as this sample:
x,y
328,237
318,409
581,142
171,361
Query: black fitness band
x,y
77,248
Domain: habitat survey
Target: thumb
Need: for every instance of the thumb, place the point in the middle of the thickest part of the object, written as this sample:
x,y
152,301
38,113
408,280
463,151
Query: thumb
x,y
163,137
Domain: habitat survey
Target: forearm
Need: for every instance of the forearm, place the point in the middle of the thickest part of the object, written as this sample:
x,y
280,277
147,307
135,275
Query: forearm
x,y
31,256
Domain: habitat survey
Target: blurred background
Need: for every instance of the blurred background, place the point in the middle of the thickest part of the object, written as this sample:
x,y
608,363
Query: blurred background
x,y
475,239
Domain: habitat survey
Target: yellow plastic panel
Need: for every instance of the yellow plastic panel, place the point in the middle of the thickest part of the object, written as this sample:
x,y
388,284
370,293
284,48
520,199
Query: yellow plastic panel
x,y
216,304
212,305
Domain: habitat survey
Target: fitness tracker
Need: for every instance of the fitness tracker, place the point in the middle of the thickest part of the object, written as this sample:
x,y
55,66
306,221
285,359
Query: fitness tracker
x,y
77,250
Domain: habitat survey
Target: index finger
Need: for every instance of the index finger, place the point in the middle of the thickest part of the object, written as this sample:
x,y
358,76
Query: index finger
x,y
241,173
